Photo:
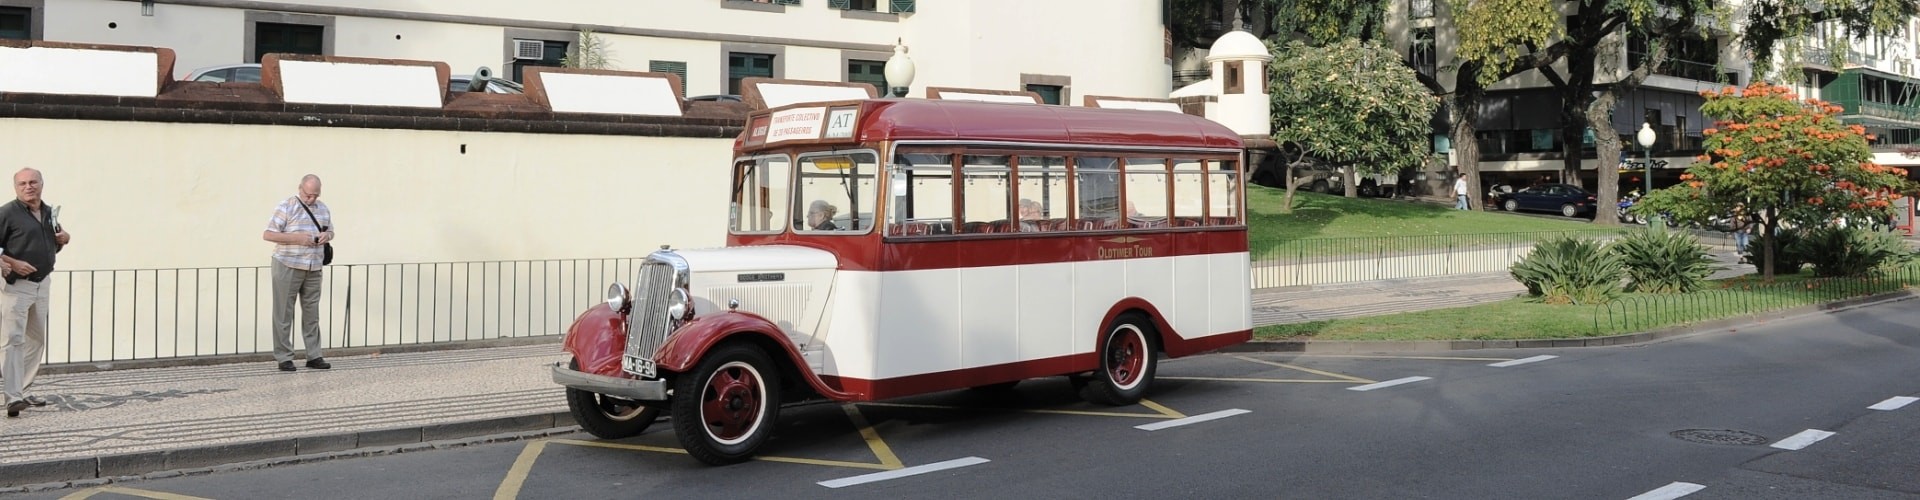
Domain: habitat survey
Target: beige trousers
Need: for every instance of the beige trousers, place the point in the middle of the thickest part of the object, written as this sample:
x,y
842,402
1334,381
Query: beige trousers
x,y
23,332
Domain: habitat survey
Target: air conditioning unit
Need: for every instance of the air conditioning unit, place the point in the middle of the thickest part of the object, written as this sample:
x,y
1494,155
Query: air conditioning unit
x,y
529,50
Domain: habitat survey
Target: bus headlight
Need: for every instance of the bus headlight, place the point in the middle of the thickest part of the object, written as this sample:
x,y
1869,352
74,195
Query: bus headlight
x,y
617,298
682,308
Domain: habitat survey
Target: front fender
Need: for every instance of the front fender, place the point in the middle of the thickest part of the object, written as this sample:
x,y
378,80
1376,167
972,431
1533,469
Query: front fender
x,y
684,348
597,339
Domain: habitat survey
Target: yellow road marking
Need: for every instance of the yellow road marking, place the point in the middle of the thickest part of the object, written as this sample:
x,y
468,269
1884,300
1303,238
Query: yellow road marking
x,y
1308,370
1018,410
1272,380
1366,356
880,448
132,492
1162,409
517,475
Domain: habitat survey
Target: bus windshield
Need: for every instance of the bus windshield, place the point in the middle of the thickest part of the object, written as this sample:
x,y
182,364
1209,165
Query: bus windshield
x,y
836,192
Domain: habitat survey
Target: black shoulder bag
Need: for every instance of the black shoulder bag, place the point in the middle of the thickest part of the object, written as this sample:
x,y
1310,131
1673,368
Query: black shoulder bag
x,y
327,251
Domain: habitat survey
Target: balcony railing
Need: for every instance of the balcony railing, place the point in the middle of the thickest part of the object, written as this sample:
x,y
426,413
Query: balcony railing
x,y
1691,70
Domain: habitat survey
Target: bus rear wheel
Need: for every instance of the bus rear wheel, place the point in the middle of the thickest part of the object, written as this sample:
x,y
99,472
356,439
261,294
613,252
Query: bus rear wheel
x,y
1128,360
608,417
725,409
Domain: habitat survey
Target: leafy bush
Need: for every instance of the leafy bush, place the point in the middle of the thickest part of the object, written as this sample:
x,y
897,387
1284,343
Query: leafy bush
x,y
1570,271
1838,251
1785,260
1664,262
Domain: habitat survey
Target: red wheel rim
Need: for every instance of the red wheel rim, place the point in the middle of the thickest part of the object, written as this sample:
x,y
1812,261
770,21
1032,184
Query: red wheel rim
x,y
1126,356
730,405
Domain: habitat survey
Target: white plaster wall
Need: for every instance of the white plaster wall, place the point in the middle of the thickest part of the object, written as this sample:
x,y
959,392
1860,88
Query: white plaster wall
x,y
808,63
193,195
1111,48
199,36
463,47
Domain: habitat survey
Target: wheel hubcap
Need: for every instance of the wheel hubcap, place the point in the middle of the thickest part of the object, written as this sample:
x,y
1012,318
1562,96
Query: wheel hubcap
x,y
1127,358
731,405
619,410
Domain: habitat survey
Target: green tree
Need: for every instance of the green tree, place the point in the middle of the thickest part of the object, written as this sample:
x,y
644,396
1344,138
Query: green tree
x,y
1349,102
1495,42
1786,159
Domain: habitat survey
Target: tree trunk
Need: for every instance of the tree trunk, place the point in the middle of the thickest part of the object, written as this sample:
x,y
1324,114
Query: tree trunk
x,y
1293,182
1466,144
1352,183
1606,210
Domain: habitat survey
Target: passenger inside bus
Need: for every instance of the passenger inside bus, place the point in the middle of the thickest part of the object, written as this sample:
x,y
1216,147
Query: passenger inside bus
x,y
820,216
1030,218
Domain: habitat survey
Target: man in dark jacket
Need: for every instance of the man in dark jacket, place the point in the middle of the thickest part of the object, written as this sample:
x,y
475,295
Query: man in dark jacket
x,y
30,236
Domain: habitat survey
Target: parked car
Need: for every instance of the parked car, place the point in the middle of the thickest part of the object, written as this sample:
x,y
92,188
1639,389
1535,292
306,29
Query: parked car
x,y
1566,199
250,73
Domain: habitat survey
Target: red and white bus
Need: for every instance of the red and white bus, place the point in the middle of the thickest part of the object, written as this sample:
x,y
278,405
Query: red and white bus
x,y
890,247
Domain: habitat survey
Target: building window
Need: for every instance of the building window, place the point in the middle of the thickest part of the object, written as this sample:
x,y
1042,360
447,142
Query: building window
x,y
1425,59
868,72
677,68
548,53
279,38
866,5
16,23
1049,94
1419,9
743,65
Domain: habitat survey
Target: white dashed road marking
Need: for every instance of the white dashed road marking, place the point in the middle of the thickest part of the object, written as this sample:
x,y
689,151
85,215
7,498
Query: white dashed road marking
x,y
1389,383
1893,403
896,474
1522,361
1803,439
1671,491
1191,420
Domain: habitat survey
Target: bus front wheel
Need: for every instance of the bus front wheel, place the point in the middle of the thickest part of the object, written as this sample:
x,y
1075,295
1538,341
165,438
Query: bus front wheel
x,y
725,409
1127,362
608,417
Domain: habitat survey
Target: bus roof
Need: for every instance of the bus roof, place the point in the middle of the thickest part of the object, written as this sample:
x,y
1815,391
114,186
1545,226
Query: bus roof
x,y
968,121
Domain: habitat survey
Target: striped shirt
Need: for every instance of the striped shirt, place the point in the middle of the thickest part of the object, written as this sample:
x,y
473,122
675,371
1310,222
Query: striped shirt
x,y
289,217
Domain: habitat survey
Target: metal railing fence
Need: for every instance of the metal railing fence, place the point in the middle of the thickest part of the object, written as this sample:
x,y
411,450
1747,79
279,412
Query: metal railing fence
x,y
1741,297
117,315
1315,261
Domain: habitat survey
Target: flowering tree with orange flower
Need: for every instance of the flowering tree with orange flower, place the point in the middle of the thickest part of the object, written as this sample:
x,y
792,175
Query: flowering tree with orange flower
x,y
1784,158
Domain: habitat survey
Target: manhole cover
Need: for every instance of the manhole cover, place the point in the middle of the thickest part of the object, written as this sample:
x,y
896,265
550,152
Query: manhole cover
x,y
1719,436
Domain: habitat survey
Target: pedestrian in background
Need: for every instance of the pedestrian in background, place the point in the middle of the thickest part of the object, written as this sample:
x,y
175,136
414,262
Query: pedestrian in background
x,y
1460,192
1742,228
30,236
301,227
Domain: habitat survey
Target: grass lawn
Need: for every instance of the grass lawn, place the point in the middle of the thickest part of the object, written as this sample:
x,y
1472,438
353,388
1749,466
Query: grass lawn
x,y
1411,226
1518,318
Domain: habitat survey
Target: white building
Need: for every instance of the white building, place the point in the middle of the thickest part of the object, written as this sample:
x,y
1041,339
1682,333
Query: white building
x,y
1113,48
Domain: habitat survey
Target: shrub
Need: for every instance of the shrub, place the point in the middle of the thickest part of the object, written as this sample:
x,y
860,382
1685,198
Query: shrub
x,y
1839,251
1570,271
1664,262
1785,260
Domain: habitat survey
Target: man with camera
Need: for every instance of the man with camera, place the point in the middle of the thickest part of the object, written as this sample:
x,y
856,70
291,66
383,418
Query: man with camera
x,y
30,235
301,228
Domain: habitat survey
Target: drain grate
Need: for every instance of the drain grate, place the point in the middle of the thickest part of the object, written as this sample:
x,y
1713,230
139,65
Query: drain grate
x,y
1719,436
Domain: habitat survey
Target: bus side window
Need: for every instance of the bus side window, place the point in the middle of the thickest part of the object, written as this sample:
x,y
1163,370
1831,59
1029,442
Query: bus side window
x,y
1189,193
922,191
986,195
759,194
1097,187
1223,189
1043,193
1146,192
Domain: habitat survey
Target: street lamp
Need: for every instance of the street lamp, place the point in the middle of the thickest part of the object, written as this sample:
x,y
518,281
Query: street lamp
x,y
899,71
1645,138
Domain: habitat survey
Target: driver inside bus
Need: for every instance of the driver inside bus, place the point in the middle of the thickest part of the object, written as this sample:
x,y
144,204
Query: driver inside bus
x,y
820,216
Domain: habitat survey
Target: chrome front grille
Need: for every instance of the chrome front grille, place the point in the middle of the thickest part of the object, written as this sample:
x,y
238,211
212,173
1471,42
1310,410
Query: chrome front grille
x,y
648,324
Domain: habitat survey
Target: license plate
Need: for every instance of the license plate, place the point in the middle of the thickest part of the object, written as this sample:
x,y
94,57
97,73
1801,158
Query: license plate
x,y
637,365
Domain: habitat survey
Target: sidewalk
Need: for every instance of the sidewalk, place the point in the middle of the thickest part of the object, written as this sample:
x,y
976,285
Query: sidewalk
x,y
159,421
132,422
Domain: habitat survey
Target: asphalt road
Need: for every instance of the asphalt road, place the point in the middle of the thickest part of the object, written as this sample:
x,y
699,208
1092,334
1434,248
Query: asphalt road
x,y
1585,423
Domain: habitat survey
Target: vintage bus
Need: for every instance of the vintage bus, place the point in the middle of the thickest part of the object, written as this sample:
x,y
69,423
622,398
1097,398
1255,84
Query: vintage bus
x,y
889,247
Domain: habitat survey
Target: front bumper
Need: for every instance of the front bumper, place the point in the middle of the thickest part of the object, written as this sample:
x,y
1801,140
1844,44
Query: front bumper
x,y
637,390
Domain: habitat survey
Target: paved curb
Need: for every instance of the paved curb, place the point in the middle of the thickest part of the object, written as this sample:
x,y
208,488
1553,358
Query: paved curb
x,y
262,357
96,471
1375,346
